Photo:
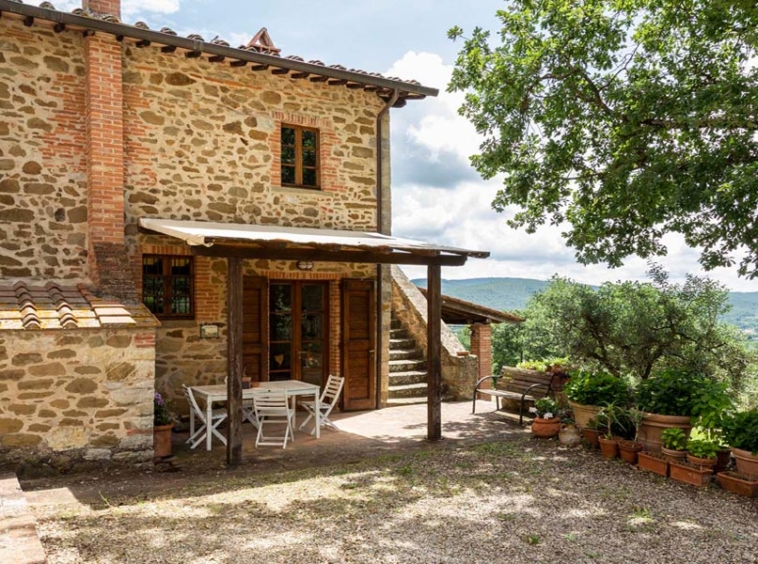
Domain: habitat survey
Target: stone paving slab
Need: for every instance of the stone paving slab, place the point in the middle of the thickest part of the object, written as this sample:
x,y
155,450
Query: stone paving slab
x,y
19,543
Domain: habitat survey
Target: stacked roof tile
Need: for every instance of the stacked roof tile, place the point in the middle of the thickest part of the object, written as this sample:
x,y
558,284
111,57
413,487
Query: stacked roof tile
x,y
56,306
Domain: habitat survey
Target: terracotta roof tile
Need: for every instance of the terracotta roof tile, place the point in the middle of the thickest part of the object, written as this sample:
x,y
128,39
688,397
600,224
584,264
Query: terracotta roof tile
x,y
55,306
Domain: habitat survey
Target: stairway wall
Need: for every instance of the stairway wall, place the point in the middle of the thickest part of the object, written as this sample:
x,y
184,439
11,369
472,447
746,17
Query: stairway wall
x,y
459,373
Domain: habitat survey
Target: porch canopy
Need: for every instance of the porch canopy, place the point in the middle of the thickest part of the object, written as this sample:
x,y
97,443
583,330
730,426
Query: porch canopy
x,y
236,242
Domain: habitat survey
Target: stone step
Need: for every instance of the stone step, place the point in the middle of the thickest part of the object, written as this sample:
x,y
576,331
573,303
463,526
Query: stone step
x,y
399,354
402,344
395,323
399,334
407,391
409,377
407,364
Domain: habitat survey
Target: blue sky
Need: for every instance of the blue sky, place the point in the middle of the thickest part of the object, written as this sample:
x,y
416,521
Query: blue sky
x,y
436,195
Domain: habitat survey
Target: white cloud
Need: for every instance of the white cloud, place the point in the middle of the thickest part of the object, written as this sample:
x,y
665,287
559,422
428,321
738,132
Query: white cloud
x,y
129,8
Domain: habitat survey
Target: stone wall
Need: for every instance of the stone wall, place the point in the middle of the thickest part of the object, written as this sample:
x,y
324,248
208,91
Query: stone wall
x,y
459,373
43,199
76,394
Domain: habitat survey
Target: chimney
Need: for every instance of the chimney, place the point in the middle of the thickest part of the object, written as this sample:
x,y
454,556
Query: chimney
x,y
104,106
112,7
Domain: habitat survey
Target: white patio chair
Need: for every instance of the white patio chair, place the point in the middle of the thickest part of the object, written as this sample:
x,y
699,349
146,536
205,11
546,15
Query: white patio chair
x,y
273,407
217,417
248,412
329,398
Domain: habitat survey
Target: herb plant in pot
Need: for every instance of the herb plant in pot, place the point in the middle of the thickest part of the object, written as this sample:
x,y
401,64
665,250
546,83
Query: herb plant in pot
x,y
629,446
587,392
546,422
591,434
710,410
609,442
674,446
702,453
162,425
667,400
741,433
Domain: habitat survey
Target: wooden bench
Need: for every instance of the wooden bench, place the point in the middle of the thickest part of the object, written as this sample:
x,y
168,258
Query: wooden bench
x,y
518,385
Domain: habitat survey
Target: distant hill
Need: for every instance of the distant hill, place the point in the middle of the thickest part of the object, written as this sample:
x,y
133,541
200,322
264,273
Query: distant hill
x,y
511,294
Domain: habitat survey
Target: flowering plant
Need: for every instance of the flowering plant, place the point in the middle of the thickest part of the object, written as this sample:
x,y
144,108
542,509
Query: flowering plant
x,y
161,415
544,408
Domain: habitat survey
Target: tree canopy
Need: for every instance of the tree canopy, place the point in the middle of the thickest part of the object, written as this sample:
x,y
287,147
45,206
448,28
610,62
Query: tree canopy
x,y
637,328
623,120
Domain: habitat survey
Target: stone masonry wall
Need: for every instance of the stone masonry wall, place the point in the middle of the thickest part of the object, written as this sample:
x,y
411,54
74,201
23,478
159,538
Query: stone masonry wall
x,y
43,199
203,143
76,394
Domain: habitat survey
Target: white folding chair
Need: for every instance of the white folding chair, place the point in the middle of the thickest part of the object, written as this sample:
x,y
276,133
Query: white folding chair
x,y
329,398
248,412
273,408
217,417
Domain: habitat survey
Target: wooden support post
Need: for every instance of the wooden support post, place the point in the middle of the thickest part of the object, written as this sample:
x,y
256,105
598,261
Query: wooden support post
x,y
434,351
234,376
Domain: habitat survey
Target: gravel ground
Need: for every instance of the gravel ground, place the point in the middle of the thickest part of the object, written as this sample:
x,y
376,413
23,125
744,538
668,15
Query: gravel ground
x,y
521,500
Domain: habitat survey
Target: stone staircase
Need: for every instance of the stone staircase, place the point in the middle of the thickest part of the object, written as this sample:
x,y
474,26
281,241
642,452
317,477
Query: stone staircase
x,y
407,383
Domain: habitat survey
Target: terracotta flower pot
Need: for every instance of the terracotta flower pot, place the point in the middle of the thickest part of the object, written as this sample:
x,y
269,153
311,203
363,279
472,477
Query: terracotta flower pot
x,y
704,463
673,455
735,483
653,425
162,440
656,463
583,413
569,435
546,428
609,448
747,463
590,437
722,460
629,450
688,474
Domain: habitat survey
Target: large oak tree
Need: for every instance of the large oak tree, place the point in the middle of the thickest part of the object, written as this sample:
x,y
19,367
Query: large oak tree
x,y
622,120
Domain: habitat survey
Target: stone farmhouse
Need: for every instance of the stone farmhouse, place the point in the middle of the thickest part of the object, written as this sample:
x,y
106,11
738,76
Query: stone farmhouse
x,y
175,210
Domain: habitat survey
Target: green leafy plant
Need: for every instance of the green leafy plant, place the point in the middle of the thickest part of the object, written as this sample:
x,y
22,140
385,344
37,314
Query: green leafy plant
x,y
161,414
702,448
613,421
596,388
671,392
741,430
711,406
540,365
544,408
674,439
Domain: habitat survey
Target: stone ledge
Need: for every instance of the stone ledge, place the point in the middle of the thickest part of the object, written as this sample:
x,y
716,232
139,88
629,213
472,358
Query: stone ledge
x,y
19,542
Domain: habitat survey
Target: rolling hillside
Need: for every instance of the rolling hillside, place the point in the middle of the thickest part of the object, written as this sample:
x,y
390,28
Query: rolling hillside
x,y
511,294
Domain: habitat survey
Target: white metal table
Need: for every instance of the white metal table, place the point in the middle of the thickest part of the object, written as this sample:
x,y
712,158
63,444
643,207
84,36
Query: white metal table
x,y
217,393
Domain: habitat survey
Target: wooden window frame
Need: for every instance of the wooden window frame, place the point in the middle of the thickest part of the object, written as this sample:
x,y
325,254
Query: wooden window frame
x,y
167,287
298,166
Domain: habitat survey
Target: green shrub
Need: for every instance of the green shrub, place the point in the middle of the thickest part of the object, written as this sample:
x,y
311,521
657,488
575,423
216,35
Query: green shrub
x,y
671,392
674,439
741,430
702,448
596,388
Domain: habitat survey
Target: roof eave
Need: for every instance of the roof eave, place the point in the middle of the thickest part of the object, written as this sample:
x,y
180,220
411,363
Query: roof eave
x,y
412,91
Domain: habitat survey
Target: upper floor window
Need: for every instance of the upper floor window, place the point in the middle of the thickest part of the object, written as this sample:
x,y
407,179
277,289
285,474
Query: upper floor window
x,y
300,162
167,287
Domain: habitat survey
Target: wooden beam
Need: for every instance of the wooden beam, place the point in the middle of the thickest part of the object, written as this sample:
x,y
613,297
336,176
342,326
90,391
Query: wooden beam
x,y
239,63
320,255
168,48
234,373
259,67
216,59
193,54
280,71
28,21
434,351
143,43
59,27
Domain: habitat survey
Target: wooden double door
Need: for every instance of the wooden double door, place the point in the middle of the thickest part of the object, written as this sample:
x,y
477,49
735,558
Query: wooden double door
x,y
286,334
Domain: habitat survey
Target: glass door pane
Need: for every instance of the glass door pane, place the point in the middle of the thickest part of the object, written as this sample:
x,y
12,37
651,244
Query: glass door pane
x,y
280,332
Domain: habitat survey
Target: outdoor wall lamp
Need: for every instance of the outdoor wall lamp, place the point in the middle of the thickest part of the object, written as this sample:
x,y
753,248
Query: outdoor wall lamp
x,y
304,265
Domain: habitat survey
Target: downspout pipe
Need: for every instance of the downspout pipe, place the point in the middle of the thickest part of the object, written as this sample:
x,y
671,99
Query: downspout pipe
x,y
379,345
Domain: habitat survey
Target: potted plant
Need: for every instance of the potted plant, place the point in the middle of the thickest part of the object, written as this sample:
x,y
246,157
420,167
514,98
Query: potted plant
x,y
591,434
629,448
546,422
609,443
710,410
587,392
654,462
674,445
667,400
702,453
739,484
741,433
162,425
